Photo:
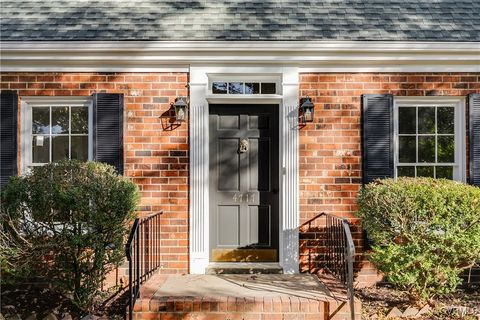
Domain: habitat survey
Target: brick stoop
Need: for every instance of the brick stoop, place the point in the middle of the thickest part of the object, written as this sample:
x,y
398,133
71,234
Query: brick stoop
x,y
257,297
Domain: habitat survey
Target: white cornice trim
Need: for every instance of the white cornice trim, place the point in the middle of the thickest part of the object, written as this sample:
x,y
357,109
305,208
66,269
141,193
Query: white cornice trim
x,y
139,46
177,56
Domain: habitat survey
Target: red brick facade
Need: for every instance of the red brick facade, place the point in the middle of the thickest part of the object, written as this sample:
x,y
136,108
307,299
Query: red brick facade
x,y
156,153
330,147
155,158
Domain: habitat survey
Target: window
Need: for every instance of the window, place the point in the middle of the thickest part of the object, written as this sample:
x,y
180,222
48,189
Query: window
x,y
430,138
220,87
55,129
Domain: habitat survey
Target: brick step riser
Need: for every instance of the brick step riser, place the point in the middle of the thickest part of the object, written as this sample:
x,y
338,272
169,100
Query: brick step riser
x,y
272,310
240,316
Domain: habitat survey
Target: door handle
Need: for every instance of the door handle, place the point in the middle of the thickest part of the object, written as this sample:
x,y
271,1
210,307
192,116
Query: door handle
x,y
243,146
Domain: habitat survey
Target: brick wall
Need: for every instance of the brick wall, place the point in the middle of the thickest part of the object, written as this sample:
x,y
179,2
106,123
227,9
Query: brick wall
x,y
156,153
330,147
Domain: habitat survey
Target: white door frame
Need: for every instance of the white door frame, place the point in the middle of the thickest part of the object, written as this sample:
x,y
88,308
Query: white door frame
x,y
287,100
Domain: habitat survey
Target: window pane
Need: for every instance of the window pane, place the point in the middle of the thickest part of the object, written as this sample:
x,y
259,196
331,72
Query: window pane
x,y
406,171
40,149
444,172
252,88
79,120
426,120
80,148
446,149
219,87
426,149
407,149
59,148
59,120
235,88
425,172
41,120
445,120
268,88
407,120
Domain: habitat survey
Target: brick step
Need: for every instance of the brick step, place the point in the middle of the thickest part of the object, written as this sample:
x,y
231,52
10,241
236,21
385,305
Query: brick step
x,y
230,308
233,316
243,297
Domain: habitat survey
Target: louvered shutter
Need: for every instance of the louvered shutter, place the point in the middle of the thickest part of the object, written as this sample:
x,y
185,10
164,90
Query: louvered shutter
x,y
377,137
108,129
8,135
474,105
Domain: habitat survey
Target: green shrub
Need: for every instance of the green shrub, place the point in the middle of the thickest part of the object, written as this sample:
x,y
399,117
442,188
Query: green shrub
x,y
66,221
426,231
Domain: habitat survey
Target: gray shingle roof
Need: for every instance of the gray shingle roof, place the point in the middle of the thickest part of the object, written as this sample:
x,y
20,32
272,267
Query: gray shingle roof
x,y
415,20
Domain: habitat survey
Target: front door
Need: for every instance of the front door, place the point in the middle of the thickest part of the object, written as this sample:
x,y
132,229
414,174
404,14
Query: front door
x,y
244,183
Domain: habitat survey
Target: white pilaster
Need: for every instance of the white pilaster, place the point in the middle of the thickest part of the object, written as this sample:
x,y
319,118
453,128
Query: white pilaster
x,y
199,217
289,252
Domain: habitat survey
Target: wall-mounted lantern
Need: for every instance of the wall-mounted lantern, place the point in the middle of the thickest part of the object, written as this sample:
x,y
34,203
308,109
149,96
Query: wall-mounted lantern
x,y
180,106
307,109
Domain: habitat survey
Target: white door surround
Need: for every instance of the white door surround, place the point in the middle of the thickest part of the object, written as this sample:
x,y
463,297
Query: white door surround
x,y
287,99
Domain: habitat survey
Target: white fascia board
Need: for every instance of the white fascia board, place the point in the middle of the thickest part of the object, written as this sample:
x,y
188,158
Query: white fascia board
x,y
297,46
177,56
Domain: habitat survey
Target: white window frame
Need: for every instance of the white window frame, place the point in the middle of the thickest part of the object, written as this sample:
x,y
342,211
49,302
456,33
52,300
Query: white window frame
x,y
459,169
27,103
245,78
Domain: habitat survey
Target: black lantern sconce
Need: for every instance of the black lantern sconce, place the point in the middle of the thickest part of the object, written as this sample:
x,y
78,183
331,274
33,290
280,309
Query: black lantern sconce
x,y
180,107
307,109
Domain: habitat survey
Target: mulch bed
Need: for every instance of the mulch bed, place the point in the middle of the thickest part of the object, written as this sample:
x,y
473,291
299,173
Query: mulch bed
x,y
33,301
378,301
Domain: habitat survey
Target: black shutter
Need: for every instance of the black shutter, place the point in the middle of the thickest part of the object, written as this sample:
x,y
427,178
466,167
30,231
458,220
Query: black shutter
x,y
8,135
108,129
377,137
474,105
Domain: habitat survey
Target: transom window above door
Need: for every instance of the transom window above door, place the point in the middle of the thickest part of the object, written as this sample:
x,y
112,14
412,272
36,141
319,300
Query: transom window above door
x,y
430,140
56,130
236,87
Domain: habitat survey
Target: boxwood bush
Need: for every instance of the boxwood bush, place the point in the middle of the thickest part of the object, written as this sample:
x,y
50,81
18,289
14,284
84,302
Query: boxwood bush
x,y
425,231
66,222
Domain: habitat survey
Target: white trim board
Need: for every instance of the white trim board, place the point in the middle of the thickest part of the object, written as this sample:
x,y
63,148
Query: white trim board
x,y
200,98
242,45
176,56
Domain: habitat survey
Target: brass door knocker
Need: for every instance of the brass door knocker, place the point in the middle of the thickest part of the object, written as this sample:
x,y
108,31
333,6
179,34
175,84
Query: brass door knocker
x,y
243,146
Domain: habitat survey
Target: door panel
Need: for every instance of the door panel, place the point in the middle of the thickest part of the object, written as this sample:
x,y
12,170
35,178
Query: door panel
x,y
244,181
228,165
228,122
260,164
258,122
260,225
228,225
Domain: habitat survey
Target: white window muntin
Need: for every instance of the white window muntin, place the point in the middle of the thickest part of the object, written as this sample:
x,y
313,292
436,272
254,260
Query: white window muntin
x,y
458,103
26,137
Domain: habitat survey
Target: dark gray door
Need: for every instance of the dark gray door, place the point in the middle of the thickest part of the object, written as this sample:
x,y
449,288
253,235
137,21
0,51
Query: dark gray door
x,y
244,182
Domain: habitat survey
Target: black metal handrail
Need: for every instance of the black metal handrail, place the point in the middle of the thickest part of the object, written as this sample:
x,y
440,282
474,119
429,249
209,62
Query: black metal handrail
x,y
143,254
339,252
